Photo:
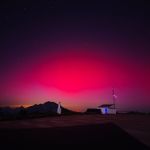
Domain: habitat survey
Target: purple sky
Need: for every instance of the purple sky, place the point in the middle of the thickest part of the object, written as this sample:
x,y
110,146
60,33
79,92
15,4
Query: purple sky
x,y
75,52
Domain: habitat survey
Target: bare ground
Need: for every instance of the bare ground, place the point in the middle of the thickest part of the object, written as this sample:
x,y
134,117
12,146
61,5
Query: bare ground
x,y
136,125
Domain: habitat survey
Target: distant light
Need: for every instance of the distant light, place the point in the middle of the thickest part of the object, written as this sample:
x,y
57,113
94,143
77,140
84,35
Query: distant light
x,y
106,110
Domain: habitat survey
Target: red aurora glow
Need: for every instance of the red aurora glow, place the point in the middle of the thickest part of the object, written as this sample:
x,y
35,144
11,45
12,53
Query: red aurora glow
x,y
76,76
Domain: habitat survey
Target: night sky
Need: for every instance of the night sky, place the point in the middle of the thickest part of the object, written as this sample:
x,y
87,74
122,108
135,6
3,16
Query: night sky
x,y
75,52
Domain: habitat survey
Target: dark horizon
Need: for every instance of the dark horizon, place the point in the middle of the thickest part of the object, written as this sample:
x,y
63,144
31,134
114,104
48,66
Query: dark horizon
x,y
119,111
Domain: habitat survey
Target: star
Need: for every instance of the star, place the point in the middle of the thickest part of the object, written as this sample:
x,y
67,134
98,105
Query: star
x,y
25,9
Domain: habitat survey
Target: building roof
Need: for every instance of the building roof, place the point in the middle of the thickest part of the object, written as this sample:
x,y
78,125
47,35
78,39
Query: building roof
x,y
106,105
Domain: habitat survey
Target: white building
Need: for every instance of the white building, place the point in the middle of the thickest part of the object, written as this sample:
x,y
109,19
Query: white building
x,y
107,109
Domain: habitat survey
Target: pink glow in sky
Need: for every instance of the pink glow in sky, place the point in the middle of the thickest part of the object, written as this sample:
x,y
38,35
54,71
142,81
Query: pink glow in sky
x,y
79,77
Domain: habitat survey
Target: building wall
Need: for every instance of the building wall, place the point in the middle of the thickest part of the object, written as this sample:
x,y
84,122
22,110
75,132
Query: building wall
x,y
106,110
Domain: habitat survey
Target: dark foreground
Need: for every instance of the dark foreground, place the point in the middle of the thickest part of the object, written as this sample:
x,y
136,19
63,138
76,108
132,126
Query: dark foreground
x,y
105,135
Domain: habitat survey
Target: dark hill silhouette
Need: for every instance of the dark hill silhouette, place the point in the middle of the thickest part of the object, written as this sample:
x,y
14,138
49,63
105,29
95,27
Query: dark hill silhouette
x,y
37,110
47,107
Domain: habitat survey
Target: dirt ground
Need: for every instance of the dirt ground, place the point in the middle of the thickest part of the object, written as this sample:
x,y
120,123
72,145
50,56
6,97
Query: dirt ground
x,y
136,125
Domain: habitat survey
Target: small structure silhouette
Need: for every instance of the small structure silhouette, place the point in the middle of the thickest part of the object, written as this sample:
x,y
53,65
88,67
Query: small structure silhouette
x,y
109,108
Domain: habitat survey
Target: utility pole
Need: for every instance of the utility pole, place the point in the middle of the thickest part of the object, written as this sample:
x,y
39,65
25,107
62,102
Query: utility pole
x,y
114,97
